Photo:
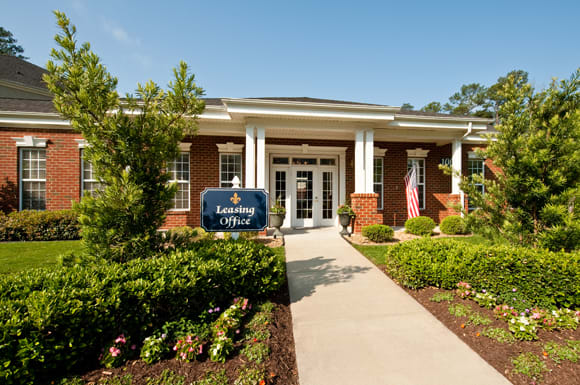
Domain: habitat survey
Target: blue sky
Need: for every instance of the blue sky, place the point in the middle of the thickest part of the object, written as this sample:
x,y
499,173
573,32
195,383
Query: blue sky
x,y
381,52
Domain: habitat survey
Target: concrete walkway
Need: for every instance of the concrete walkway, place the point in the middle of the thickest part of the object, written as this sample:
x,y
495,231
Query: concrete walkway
x,y
353,325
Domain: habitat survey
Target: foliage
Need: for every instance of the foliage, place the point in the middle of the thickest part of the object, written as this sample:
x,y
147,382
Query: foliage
x,y
167,377
407,107
250,376
257,352
378,233
131,142
420,225
277,208
180,237
154,348
31,225
224,330
117,352
188,348
8,45
203,235
213,378
529,365
442,296
559,353
345,209
542,278
433,107
534,199
453,225
53,321
459,310
498,334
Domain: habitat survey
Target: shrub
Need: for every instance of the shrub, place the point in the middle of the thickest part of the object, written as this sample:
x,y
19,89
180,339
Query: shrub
x,y
29,225
532,276
453,225
378,233
53,321
180,237
420,226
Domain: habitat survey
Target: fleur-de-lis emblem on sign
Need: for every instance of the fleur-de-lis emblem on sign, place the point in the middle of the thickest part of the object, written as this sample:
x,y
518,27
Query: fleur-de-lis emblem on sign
x,y
235,199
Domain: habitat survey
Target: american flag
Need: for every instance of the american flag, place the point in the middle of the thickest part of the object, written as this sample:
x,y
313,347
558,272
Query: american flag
x,y
412,192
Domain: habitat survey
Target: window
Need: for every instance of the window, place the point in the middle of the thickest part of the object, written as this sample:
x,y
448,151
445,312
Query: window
x,y
89,183
419,163
32,179
179,170
476,167
230,166
378,180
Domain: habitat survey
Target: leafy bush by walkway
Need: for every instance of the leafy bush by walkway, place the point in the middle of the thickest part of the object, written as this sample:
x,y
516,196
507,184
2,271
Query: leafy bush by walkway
x,y
28,225
52,321
538,277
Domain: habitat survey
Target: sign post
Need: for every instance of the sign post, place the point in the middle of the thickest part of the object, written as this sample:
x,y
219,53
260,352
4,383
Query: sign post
x,y
234,210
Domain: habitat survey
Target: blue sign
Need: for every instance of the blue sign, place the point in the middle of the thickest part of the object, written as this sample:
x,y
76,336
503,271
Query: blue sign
x,y
234,209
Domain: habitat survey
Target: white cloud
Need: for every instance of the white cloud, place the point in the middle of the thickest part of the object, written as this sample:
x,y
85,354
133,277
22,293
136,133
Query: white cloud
x,y
119,33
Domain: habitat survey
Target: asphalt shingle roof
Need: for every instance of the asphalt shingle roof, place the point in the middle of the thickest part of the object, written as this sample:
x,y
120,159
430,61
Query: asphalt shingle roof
x,y
21,71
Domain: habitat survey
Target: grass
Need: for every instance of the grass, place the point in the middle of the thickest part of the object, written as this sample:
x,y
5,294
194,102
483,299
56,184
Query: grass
x,y
375,253
20,256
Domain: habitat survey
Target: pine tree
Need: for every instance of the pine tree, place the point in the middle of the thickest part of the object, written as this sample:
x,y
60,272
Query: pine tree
x,y
130,143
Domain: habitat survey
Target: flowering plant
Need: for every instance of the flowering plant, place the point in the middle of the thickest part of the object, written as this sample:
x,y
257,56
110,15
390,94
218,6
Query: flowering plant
x,y
116,353
524,327
154,348
224,328
484,299
464,290
188,348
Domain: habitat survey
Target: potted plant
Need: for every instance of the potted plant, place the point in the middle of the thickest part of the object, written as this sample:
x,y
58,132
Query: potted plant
x,y
277,215
345,213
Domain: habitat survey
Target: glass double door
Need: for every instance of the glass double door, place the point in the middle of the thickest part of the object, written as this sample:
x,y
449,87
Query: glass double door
x,y
308,193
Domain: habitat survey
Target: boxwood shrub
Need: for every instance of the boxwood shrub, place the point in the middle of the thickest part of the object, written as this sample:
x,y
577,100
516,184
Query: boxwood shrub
x,y
29,225
453,225
378,233
53,321
420,225
535,276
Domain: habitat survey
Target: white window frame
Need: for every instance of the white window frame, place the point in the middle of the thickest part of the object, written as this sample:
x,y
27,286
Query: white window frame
x,y
475,158
83,180
381,197
417,160
182,182
21,179
241,169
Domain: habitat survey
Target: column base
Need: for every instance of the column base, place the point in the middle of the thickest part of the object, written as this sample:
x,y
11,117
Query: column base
x,y
364,206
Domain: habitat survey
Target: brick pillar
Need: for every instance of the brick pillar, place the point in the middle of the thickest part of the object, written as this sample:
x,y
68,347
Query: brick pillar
x,y
365,209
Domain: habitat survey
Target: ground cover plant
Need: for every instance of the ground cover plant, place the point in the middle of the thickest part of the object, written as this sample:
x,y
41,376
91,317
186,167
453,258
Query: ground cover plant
x,y
501,300
86,307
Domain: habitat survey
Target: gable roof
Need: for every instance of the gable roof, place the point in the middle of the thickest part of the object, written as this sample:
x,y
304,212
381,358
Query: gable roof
x,y
20,71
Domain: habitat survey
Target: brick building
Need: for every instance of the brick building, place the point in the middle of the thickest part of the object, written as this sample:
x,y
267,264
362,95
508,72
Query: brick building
x,y
311,154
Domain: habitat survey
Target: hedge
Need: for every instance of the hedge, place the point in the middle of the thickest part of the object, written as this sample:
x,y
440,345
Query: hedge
x,y
378,233
420,225
29,225
533,276
55,321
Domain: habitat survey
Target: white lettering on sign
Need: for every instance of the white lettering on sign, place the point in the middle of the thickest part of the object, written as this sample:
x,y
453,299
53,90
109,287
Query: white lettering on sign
x,y
446,161
233,221
236,210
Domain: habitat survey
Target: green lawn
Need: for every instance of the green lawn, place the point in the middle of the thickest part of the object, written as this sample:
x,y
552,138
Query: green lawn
x,y
19,256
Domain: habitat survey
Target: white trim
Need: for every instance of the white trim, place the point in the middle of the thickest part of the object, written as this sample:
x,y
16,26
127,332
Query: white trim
x,y
474,155
379,152
417,153
250,157
382,182
369,160
456,163
300,149
181,181
260,157
184,146
230,147
22,87
20,178
82,143
220,167
30,141
359,162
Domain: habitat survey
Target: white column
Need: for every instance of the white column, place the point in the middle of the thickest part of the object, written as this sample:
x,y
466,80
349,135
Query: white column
x,y
369,160
359,162
456,165
261,157
250,158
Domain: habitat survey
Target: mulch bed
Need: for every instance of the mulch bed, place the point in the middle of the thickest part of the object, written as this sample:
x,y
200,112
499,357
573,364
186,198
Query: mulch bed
x,y
280,366
498,354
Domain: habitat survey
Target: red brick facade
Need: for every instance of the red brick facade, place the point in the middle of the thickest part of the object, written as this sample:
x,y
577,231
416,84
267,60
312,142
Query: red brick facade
x,y
63,175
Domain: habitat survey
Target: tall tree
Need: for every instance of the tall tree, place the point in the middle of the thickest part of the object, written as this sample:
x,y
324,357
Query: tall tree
x,y
494,95
130,141
8,45
535,199
407,107
470,100
433,107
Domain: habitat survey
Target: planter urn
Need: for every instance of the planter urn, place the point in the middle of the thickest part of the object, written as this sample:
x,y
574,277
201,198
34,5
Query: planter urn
x,y
276,221
344,220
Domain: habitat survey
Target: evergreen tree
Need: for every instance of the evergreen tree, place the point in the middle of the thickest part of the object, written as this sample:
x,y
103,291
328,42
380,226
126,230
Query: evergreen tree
x,y
130,143
8,45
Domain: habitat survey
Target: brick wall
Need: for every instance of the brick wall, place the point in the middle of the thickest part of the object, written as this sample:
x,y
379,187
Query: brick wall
x,y
365,209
